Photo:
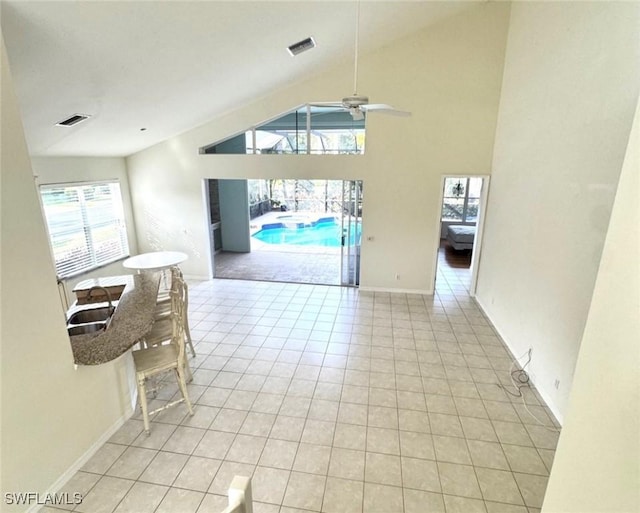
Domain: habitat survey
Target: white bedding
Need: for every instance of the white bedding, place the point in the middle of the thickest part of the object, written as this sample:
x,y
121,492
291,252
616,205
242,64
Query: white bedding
x,y
461,236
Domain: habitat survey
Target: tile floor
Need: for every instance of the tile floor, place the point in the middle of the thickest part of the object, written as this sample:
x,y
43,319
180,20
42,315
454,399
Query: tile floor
x,y
333,400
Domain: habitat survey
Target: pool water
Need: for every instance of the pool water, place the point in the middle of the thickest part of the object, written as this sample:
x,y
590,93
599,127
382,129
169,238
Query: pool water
x,y
321,234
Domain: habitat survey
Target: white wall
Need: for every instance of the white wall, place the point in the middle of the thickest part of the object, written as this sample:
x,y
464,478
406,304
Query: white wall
x,y
450,83
571,80
55,170
597,463
52,414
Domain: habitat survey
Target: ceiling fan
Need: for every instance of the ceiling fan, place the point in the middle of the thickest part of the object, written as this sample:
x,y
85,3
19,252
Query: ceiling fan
x,y
357,104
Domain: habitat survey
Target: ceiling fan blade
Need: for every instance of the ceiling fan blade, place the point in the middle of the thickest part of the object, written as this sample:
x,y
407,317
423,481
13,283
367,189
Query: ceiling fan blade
x,y
326,104
385,109
395,112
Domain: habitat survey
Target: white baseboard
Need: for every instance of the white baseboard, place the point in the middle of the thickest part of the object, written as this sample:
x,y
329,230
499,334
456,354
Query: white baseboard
x,y
532,376
397,291
193,277
79,463
197,277
547,400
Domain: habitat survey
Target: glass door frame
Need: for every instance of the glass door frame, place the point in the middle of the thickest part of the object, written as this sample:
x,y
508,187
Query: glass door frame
x,y
351,222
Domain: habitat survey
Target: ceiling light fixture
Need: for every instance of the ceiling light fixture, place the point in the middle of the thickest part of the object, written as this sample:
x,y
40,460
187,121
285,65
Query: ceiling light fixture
x,y
73,120
458,189
301,46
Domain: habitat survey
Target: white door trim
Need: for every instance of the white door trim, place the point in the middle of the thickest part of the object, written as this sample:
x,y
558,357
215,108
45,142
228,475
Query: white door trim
x,y
477,244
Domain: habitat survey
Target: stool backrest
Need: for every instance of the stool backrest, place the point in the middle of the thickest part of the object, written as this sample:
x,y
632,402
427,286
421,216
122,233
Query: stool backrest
x,y
178,311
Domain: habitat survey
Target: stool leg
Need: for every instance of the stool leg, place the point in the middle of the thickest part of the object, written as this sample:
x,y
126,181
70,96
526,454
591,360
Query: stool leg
x,y
187,371
142,396
187,332
183,388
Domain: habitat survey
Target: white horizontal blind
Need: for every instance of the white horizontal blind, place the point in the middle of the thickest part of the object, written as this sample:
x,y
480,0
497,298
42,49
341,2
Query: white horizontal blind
x,y
86,225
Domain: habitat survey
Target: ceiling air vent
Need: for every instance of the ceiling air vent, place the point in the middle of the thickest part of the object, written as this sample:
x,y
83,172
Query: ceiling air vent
x,y
301,46
73,120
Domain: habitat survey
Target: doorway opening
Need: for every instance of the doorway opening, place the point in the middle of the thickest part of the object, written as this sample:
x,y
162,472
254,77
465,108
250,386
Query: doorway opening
x,y
463,202
286,230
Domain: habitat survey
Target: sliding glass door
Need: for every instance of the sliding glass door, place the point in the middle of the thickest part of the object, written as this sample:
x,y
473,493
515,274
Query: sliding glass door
x,y
351,232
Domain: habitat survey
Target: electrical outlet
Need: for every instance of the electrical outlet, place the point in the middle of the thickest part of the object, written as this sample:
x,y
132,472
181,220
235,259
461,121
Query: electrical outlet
x,y
397,276
556,384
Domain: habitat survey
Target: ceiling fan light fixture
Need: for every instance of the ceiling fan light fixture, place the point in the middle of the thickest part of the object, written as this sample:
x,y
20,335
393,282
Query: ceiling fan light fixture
x,y
301,46
356,113
354,101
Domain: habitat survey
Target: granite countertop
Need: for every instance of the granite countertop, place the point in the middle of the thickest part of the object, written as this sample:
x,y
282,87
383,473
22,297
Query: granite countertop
x,y
132,319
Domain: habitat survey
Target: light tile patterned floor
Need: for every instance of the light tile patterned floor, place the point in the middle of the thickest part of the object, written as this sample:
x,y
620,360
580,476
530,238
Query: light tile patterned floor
x,y
333,400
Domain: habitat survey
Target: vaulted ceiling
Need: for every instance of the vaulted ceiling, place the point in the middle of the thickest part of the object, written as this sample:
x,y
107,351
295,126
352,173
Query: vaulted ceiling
x,y
169,66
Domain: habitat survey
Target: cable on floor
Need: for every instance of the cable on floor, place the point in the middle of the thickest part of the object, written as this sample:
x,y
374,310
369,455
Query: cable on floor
x,y
520,379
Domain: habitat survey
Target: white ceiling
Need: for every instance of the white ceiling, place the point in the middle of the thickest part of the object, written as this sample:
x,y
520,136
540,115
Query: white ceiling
x,y
170,66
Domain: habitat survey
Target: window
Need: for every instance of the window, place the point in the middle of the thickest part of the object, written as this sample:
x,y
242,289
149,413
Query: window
x,y
312,129
86,225
461,199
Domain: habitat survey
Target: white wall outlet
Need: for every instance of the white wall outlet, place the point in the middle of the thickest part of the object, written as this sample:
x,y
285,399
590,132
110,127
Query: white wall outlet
x,y
556,384
397,276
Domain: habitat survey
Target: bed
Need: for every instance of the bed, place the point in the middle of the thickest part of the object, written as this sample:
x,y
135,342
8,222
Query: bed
x,y
461,236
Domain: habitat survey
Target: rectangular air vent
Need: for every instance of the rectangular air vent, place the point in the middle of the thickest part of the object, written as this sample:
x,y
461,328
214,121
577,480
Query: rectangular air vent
x,y
73,120
302,46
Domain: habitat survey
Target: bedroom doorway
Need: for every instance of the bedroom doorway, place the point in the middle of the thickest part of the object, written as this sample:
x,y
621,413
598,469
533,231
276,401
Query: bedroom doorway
x,y
463,200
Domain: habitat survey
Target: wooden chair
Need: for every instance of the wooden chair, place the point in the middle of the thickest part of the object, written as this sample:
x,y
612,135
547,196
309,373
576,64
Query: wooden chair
x,y
163,308
164,356
162,329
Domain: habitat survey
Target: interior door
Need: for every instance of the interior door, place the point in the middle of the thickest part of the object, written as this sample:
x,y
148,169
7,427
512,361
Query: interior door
x,y
351,232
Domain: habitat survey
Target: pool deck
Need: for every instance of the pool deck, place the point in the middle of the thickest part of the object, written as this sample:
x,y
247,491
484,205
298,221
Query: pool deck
x,y
281,262
293,267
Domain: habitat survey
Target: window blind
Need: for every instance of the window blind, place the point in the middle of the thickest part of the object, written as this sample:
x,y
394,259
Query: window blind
x,y
86,225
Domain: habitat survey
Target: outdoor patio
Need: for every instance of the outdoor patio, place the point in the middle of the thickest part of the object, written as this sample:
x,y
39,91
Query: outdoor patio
x,y
289,263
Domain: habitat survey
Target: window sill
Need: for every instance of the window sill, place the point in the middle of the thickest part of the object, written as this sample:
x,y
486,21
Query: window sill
x,y
87,271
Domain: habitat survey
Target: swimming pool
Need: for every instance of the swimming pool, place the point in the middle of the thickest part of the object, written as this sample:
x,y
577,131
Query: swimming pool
x,y
322,233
